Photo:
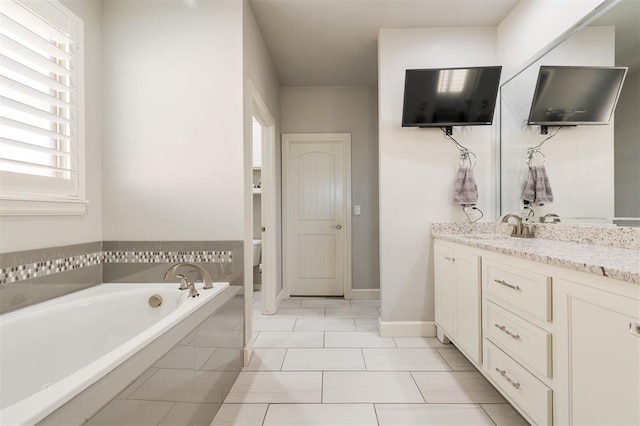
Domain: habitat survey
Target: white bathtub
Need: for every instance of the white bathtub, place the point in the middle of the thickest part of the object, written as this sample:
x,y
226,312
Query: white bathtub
x,y
52,351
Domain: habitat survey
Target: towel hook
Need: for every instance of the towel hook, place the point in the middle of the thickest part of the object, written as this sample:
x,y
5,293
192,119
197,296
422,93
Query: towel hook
x,y
467,157
531,152
464,154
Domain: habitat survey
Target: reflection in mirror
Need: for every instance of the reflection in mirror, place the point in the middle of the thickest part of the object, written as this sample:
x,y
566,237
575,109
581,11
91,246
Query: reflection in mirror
x,y
593,169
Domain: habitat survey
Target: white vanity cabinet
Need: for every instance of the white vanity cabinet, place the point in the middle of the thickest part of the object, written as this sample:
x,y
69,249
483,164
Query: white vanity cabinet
x,y
457,295
598,353
563,346
517,314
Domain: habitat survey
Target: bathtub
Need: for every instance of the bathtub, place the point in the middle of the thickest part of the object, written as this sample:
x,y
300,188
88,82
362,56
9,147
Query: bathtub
x,y
53,351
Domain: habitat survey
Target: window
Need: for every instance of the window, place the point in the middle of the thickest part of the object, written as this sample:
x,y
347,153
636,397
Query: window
x,y
41,109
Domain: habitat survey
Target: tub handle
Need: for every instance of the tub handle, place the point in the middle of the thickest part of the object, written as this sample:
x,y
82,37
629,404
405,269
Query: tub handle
x,y
184,284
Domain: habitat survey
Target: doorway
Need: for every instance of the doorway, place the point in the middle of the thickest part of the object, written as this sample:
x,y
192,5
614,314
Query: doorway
x,y
263,227
316,213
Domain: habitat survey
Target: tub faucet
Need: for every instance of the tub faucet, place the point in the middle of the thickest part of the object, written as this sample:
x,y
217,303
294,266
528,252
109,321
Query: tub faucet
x,y
520,230
169,275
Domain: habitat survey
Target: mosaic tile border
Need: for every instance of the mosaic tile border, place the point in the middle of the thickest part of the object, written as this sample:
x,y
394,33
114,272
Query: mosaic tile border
x,y
28,271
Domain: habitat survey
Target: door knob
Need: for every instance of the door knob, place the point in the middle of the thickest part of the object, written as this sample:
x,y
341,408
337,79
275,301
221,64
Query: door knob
x,y
338,226
263,229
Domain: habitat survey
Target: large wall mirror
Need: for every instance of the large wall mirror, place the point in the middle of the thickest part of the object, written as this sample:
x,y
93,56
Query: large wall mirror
x,y
593,170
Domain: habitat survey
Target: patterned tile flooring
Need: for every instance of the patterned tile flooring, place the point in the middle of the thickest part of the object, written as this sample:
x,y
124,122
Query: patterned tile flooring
x,y
321,361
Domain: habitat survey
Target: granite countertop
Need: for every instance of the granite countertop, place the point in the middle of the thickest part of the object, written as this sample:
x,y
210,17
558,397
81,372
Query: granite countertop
x,y
618,263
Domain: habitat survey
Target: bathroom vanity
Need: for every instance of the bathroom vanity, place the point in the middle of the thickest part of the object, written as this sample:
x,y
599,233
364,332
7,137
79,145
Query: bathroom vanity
x,y
554,325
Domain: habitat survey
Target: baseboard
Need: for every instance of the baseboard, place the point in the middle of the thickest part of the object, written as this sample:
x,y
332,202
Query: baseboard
x,y
279,299
364,294
247,351
406,328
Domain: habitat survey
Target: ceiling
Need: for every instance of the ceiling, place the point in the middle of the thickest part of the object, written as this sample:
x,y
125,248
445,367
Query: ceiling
x,y
334,42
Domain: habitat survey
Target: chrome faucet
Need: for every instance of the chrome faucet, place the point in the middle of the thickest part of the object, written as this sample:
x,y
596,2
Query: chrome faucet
x,y
520,230
184,285
554,218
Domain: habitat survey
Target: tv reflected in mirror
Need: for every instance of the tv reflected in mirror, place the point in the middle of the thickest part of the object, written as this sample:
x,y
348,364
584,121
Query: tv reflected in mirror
x,y
568,95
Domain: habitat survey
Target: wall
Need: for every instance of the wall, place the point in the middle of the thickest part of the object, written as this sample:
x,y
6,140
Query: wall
x,y
418,166
258,74
36,232
627,129
533,24
173,131
346,110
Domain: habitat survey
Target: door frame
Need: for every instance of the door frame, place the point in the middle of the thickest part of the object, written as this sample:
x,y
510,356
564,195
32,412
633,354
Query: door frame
x,y
287,139
258,109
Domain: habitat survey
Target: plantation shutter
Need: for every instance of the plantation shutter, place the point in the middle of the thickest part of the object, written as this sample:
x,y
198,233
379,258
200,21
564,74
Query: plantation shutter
x,y
41,131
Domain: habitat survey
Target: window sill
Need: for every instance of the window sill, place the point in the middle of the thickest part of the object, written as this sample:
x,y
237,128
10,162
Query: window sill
x,y
42,207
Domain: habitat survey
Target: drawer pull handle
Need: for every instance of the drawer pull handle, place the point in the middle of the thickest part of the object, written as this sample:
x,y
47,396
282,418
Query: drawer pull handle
x,y
503,373
634,328
451,259
503,328
506,284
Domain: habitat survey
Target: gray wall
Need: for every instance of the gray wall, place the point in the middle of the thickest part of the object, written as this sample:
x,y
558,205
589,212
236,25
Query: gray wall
x,y
346,110
627,148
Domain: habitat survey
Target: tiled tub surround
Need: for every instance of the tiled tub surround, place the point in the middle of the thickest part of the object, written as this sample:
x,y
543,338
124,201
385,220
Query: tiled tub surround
x,y
95,331
37,275
184,386
608,251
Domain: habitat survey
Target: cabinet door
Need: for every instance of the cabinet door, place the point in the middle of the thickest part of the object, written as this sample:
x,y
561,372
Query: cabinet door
x,y
599,356
467,321
443,283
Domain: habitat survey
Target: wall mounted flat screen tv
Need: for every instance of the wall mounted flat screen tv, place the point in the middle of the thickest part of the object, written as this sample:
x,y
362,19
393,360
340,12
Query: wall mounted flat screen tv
x,y
569,96
447,97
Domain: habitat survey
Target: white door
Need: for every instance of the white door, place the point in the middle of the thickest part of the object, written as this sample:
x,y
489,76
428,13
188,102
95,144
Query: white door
x,y
316,191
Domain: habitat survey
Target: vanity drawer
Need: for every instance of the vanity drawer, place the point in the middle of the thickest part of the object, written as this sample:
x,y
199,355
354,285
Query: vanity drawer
x,y
523,289
528,344
527,391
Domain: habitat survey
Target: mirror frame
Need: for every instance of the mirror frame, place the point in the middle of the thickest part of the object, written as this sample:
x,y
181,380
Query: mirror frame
x,y
587,20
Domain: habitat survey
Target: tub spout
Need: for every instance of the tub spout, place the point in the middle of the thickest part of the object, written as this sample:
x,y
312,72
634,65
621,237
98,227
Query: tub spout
x,y
208,282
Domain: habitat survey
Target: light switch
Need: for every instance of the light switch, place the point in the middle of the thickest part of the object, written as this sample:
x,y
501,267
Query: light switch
x,y
356,210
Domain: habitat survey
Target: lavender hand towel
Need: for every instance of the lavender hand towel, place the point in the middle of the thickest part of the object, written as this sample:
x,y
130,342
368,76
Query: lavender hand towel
x,y
537,189
466,190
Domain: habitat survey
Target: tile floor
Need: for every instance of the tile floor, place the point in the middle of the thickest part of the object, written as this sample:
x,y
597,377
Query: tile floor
x,y
321,361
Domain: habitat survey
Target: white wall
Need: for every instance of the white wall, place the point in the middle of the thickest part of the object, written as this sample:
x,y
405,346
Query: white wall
x,y
26,233
418,166
346,110
173,129
533,24
578,157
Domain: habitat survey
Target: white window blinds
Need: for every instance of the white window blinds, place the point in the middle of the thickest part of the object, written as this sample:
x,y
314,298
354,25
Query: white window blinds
x,y
41,128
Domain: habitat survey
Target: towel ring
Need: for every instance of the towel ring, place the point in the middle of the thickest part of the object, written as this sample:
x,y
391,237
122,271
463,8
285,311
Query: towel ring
x,y
531,154
467,158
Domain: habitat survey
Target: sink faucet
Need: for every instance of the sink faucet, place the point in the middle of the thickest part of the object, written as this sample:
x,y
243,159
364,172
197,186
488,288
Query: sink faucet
x,y
208,282
520,230
554,218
